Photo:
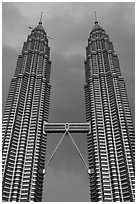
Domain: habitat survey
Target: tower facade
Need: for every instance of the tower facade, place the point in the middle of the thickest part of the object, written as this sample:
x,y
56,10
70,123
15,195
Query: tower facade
x,y
24,143
111,144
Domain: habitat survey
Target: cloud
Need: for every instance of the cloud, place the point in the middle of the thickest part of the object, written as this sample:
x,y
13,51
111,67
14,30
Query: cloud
x,y
9,56
74,50
13,33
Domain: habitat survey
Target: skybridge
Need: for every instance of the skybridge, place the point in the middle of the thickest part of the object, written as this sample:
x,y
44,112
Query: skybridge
x,y
67,129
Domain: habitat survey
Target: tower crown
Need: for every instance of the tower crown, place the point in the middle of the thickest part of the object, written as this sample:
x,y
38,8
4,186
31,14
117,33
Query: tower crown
x,y
39,27
96,26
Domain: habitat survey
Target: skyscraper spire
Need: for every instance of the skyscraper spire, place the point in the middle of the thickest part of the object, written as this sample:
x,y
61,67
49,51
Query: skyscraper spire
x,y
95,17
40,22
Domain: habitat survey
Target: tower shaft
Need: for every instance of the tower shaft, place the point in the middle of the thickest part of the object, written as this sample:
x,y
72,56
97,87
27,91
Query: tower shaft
x,y
24,142
111,144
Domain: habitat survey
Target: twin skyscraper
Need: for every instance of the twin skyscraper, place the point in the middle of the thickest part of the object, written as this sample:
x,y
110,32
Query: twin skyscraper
x,y
111,142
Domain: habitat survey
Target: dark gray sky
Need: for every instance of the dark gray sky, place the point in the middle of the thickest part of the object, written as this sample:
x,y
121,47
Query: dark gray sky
x,y
69,24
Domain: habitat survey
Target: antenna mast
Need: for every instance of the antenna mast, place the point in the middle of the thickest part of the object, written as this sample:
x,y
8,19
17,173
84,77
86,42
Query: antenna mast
x,y
40,22
95,17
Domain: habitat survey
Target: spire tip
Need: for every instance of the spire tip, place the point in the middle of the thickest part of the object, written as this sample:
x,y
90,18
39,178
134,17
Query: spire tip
x,y
40,22
95,17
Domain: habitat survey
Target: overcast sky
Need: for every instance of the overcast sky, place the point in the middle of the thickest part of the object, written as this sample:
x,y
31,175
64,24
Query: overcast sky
x,y
69,24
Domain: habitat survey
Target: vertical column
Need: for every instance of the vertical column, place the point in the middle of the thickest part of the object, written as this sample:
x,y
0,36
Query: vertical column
x,y
15,138
127,178
30,146
101,128
93,153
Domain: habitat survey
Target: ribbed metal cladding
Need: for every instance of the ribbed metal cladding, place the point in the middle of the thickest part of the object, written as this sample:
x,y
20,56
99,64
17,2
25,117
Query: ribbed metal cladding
x,y
111,144
24,143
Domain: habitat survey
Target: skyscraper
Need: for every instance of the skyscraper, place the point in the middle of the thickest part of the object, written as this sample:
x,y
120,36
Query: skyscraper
x,y
111,144
24,143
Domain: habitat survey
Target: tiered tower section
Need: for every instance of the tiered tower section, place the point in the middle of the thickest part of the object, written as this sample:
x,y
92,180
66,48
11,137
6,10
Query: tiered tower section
x,y
24,143
111,144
